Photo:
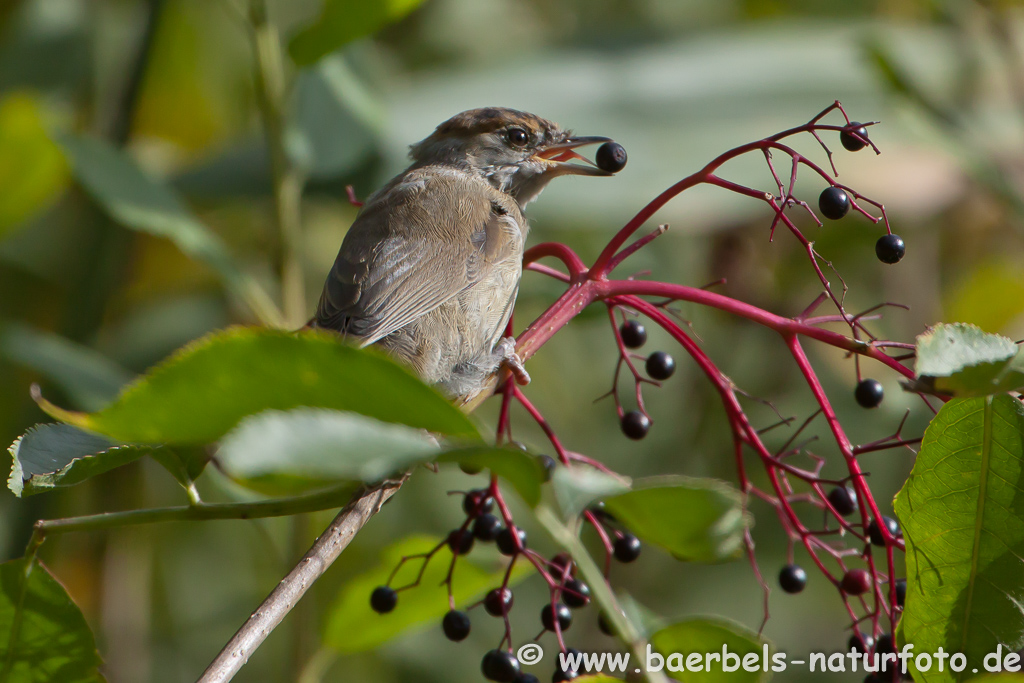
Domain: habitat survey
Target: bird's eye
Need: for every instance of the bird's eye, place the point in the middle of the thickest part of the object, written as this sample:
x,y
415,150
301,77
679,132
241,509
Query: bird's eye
x,y
517,136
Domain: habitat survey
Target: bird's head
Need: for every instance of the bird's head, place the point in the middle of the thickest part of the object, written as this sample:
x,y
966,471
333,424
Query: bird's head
x,y
517,152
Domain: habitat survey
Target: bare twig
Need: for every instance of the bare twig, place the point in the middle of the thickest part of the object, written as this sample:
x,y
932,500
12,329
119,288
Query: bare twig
x,y
287,594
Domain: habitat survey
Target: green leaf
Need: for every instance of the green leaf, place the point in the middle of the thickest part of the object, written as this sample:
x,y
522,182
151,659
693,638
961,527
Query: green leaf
x,y
32,170
698,520
203,390
351,626
343,21
964,532
962,360
139,202
521,469
52,643
48,456
90,379
290,452
708,635
577,487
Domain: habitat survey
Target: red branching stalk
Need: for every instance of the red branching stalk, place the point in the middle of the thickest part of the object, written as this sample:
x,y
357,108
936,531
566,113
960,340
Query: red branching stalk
x,y
590,285
586,286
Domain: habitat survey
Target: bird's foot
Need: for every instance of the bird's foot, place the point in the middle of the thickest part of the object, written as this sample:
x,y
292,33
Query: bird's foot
x,y
506,350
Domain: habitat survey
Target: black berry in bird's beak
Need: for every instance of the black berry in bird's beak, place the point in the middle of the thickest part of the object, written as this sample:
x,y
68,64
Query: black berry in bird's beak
x,y
557,157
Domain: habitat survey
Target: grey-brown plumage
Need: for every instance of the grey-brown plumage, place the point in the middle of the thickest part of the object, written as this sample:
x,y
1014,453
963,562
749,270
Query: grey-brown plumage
x,y
430,268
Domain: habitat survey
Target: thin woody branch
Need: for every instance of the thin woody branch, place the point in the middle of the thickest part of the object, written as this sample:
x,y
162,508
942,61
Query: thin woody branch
x,y
287,594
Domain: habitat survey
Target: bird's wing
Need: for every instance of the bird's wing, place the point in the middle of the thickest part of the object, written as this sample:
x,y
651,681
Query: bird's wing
x,y
414,247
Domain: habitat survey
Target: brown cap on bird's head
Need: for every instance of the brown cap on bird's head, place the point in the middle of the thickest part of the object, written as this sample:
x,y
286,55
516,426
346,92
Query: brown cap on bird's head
x,y
485,120
517,152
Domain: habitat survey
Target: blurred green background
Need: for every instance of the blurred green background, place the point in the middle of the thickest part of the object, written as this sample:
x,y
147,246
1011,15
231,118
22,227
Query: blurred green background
x,y
85,304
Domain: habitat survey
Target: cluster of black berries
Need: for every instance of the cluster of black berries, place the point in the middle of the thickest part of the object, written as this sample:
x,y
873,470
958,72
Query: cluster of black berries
x,y
865,644
843,499
659,365
834,203
568,592
793,577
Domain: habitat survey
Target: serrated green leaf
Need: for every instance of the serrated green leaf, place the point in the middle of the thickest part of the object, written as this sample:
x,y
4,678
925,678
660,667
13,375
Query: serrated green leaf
x,y
960,510
351,626
697,520
32,169
89,378
520,469
139,202
53,643
343,21
48,456
577,487
703,636
205,389
961,360
287,452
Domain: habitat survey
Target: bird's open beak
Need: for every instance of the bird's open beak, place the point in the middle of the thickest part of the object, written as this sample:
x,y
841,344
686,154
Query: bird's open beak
x,y
558,157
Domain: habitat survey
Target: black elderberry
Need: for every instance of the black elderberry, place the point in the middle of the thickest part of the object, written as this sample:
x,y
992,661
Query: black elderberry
x,y
633,334
611,157
575,593
560,613
477,502
860,642
660,365
792,578
460,541
627,548
901,592
506,542
562,564
869,393
849,141
500,666
455,625
834,203
875,532
843,499
890,249
486,527
635,425
383,599
498,602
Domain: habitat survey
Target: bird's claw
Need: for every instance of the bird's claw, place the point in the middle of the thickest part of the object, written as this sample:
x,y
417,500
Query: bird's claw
x,y
506,350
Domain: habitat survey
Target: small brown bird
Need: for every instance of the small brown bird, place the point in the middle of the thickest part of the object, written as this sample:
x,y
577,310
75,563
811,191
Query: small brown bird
x,y
430,268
